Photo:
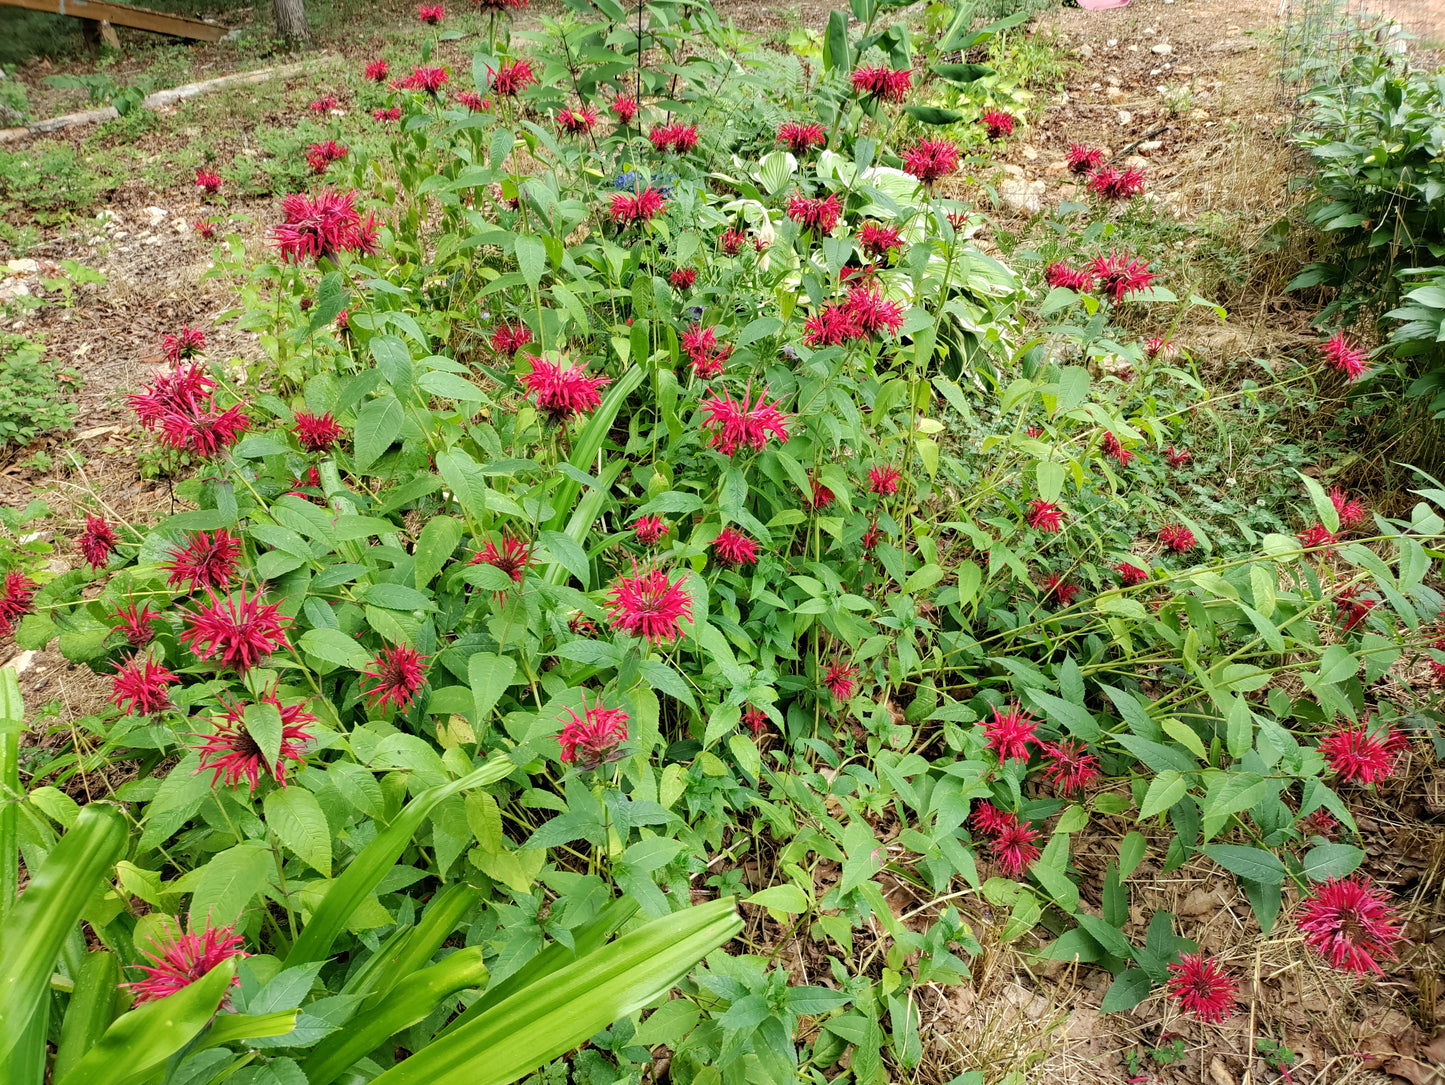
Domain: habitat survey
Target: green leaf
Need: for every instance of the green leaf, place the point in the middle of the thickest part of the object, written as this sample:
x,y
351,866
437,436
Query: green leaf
x,y
263,724
962,74
835,43
1254,864
569,553
44,917
335,647
781,898
490,676
450,386
91,1010
378,424
1167,788
1332,861
531,259
927,114
1324,507
1338,664
295,817
434,547
1131,853
1129,988
228,883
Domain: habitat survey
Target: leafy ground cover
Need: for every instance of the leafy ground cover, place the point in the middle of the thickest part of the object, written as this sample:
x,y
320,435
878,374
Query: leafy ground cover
x,y
630,470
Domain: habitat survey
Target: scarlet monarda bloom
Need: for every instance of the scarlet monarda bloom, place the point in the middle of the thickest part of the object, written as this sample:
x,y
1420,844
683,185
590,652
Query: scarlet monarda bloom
x,y
320,155
840,678
134,623
430,14
240,630
427,80
1120,274
931,160
1131,575
872,537
1201,987
325,104
206,561
500,6
189,343
1177,537
882,84
649,529
577,122
1177,457
871,313
1013,846
1350,924
562,392
1084,159
755,719
676,137
1353,607
831,326
208,182
1059,591
1112,447
800,138
883,480
1318,537
378,70
230,752
510,338
682,278
323,225
139,687
1340,353
1010,732
733,423
815,213
988,820
732,547
1045,516
731,241
1060,274
385,115
15,600
179,961
513,77
877,240
624,109
821,497
1069,766
397,673
1351,512
707,355
648,605
1155,345
1320,823
638,207
998,123
206,228
97,542
1360,756
474,102
205,435
1113,184
514,557
317,432
591,739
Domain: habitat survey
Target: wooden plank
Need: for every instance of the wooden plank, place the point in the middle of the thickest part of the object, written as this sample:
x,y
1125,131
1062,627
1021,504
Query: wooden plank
x,y
177,26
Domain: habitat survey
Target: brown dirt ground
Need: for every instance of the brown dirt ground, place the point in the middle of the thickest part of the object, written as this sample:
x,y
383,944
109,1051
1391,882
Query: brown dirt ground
x,y
1224,155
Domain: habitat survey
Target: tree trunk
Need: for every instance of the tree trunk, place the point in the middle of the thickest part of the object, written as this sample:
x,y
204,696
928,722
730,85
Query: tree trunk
x,y
291,22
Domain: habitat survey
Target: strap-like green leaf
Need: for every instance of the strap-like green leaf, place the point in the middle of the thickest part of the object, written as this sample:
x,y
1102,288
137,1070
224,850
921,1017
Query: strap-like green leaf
x,y
92,1009
12,719
36,927
442,916
589,443
367,869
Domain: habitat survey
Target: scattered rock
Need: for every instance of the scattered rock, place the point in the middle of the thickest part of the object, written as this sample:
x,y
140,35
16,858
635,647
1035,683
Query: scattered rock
x,y
1149,146
1125,116
1133,48
1021,197
1163,49
1113,42
1134,162
1030,153
1086,52
1198,115
1115,94
22,662
24,266
156,214
1011,170
1068,192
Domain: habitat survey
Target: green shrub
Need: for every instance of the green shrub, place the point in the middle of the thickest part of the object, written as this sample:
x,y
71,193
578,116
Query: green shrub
x,y
34,393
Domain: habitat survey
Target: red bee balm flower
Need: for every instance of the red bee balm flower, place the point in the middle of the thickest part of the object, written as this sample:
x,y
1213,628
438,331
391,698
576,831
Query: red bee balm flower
x,y
1131,574
320,155
15,600
831,326
135,624
648,605
1350,924
1014,848
877,240
577,122
188,344
97,542
1201,987
1069,767
1351,512
815,213
988,820
1357,755
179,961
1010,732
206,561
560,392
676,137
707,355
649,529
822,496
756,719
431,15
591,739
208,182
398,672
638,207
1156,345
514,558
317,432
884,480
378,70
1060,274
1058,591
325,224
1112,447
998,123
731,241
624,109
1177,458
474,102
205,228
1120,274
1084,159
1340,353
1045,516
732,547
510,338
931,160
872,537
141,685
240,629
513,77
840,679
1114,184
385,115
883,84
1177,537
799,138
1318,537
743,422
230,751
428,80
1320,823
871,314
682,278
325,104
